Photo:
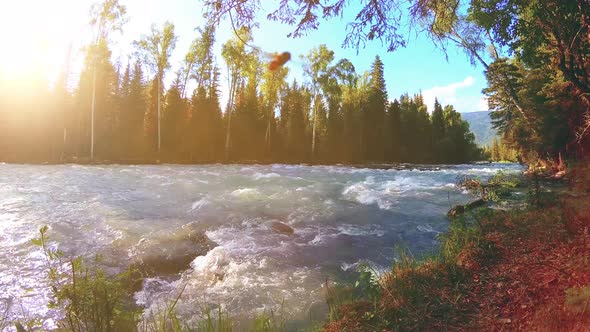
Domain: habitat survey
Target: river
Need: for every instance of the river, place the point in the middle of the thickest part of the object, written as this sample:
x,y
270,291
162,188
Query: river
x,y
341,216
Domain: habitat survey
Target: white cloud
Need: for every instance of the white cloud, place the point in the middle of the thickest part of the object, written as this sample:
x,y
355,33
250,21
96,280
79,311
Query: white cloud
x,y
483,104
448,95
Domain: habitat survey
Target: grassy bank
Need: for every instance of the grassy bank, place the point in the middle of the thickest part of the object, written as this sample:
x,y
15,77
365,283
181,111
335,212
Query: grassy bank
x,y
523,269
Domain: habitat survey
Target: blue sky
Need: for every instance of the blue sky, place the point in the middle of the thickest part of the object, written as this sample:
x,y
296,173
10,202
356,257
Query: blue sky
x,y
418,67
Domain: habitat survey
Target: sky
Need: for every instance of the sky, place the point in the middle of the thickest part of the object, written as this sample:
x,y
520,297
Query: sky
x,y
42,31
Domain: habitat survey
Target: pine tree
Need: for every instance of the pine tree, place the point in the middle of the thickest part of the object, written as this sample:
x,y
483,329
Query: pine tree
x,y
496,150
173,121
394,129
132,114
375,114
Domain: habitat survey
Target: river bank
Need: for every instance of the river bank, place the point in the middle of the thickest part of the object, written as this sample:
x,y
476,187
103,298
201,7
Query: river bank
x,y
523,269
155,161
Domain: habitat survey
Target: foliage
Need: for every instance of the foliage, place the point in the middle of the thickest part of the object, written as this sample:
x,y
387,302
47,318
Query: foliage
x,y
448,289
533,53
367,284
106,17
155,49
496,188
91,299
500,151
339,116
536,197
416,294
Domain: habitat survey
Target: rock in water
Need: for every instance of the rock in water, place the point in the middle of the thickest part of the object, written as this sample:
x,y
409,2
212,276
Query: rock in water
x,y
167,253
281,228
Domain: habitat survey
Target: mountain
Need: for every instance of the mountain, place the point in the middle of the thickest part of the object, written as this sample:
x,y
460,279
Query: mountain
x,y
481,126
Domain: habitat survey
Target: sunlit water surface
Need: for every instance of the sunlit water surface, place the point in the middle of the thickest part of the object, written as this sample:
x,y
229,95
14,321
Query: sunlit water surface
x,y
341,216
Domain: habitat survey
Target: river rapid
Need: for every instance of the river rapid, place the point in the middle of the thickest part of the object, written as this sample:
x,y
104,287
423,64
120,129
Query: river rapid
x,y
341,216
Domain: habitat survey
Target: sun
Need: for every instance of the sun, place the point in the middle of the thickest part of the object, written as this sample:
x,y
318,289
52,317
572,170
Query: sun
x,y
35,37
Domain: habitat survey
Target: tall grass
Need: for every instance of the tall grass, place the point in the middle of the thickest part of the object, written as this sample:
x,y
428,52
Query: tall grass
x,y
417,294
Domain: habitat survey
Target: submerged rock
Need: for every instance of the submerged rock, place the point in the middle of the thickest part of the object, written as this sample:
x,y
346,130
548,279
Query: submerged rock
x,y
168,253
281,228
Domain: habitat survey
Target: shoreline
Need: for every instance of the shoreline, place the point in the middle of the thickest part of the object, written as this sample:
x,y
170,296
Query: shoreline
x,y
522,269
385,166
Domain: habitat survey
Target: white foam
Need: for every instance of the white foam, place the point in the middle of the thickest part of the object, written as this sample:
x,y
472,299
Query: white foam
x,y
354,230
259,176
368,193
247,193
212,266
375,269
426,229
197,205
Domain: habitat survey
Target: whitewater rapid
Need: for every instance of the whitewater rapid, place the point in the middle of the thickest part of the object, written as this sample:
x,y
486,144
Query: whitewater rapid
x,y
341,216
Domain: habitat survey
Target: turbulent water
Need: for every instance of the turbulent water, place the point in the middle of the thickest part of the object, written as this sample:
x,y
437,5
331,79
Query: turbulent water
x,y
341,216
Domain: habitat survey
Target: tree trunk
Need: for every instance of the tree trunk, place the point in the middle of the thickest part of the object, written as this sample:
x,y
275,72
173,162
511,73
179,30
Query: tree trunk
x,y
92,113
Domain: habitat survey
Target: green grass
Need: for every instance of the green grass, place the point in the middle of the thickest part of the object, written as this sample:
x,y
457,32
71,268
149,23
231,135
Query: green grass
x,y
430,293
417,293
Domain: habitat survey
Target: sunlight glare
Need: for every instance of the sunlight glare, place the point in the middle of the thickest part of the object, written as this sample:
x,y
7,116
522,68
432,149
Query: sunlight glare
x,y
36,35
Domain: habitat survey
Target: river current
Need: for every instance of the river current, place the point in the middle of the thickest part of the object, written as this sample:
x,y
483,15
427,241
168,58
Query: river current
x,y
341,217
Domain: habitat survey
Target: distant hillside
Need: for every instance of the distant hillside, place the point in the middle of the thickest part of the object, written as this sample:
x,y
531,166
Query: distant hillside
x,y
481,126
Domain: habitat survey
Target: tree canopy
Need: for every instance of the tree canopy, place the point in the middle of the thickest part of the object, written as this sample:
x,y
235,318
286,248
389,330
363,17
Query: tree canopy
x,y
534,53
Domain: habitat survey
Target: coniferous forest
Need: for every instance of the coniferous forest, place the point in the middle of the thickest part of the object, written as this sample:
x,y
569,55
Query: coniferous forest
x,y
123,112
534,55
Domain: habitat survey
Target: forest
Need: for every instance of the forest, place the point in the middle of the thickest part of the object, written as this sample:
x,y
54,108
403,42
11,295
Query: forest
x,y
122,112
534,55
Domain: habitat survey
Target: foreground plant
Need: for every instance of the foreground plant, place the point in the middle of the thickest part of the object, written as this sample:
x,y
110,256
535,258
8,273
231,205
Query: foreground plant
x,y
91,300
494,189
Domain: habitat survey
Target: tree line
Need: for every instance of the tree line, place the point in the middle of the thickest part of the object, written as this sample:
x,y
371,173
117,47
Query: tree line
x,y
499,150
123,112
534,54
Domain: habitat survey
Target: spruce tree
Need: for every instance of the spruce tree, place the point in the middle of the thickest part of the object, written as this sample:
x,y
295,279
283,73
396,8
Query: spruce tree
x,y
375,117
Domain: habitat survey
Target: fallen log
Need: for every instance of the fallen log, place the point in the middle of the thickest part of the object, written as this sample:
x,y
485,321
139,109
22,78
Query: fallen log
x,y
459,209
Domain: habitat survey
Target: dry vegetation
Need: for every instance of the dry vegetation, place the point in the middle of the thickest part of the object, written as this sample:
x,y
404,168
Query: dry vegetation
x,y
526,269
